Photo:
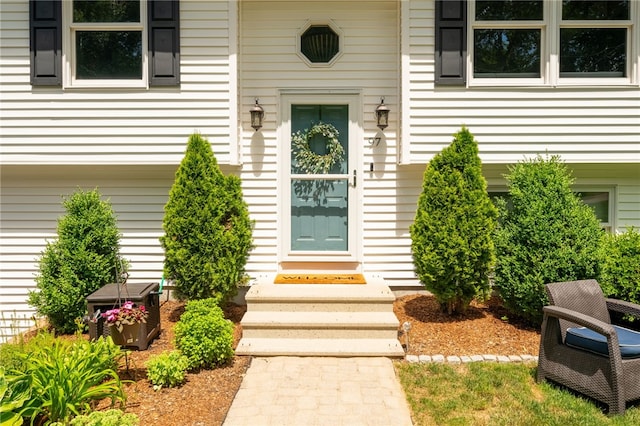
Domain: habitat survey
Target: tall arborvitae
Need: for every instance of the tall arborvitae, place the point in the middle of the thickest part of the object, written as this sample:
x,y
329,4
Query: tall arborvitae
x,y
452,245
207,228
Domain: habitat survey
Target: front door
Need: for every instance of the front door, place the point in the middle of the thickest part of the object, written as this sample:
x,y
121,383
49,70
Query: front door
x,y
322,183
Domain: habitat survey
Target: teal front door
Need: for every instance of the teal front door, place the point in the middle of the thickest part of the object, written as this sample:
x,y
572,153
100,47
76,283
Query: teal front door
x,y
320,197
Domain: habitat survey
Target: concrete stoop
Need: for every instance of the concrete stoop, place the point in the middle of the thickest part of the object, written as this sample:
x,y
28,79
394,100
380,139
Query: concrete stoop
x,y
320,320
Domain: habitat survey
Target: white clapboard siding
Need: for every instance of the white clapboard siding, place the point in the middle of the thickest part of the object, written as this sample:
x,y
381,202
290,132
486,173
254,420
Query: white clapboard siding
x,y
593,124
56,126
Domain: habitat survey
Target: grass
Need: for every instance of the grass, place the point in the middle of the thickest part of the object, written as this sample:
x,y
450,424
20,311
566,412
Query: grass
x,y
496,394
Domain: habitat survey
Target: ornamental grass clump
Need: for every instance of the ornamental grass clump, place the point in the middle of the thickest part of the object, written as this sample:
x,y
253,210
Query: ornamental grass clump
x,y
203,335
451,236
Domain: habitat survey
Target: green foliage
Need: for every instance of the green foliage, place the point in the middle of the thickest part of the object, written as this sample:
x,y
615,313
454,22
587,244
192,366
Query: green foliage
x,y
65,377
110,417
14,395
167,369
548,235
84,257
203,335
451,235
620,271
207,227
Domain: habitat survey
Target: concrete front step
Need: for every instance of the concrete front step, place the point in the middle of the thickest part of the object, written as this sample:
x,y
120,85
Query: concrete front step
x,y
320,347
320,320
307,325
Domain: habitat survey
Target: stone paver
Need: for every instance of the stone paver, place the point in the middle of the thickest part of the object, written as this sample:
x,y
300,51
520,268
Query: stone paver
x,y
310,391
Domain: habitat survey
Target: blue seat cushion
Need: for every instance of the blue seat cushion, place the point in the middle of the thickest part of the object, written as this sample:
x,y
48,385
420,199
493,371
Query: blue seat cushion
x,y
584,338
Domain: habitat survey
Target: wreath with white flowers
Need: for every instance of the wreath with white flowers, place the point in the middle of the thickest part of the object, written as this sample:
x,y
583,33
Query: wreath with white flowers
x,y
310,162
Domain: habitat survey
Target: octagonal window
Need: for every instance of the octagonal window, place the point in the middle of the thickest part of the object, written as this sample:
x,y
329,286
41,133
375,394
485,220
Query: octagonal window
x,y
319,44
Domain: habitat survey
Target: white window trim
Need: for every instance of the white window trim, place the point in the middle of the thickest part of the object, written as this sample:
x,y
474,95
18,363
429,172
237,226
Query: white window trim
x,y
609,226
550,47
69,54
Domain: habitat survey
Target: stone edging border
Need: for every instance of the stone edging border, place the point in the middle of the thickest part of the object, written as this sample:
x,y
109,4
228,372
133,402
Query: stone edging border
x,y
467,359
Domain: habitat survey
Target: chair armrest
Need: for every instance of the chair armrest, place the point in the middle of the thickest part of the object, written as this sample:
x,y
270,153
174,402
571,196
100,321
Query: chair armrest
x,y
581,319
623,307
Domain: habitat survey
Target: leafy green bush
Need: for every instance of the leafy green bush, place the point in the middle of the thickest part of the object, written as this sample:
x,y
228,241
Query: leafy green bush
x,y
547,235
66,377
203,335
83,258
111,417
452,233
167,369
620,271
14,398
207,227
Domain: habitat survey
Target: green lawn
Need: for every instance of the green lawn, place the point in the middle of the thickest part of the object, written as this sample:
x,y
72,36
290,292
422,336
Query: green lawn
x,y
486,393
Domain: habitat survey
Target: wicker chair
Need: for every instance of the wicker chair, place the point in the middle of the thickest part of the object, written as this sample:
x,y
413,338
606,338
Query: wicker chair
x,y
613,379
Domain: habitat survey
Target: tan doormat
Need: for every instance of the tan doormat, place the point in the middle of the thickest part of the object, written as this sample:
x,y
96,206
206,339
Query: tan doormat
x,y
320,279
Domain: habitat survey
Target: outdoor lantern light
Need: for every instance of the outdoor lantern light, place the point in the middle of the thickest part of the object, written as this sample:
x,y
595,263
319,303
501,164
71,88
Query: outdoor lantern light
x,y
382,115
257,114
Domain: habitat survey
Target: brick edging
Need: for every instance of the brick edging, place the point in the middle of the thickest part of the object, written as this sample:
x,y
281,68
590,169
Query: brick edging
x,y
467,359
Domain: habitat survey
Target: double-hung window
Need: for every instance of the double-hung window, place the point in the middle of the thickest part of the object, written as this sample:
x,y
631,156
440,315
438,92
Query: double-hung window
x,y
106,41
548,42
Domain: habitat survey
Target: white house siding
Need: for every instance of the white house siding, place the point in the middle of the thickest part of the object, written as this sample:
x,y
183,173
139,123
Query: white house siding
x,y
42,125
589,124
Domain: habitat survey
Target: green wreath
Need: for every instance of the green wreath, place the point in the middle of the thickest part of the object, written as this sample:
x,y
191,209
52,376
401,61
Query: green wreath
x,y
310,162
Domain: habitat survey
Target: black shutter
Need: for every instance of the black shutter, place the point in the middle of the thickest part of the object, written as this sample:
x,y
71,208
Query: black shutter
x,y
45,42
164,42
451,41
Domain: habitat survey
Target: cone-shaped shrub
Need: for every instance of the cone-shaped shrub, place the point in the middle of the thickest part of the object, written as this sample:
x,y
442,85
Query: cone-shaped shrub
x,y
547,235
451,235
207,227
85,257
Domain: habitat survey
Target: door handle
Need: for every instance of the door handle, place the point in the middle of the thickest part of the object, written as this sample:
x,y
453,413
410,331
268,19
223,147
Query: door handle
x,y
354,178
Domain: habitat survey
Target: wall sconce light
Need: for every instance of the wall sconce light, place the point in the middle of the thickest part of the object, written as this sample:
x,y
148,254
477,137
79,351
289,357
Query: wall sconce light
x,y
257,114
382,115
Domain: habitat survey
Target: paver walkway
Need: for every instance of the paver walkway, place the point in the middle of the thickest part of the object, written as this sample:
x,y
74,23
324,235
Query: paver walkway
x,y
319,391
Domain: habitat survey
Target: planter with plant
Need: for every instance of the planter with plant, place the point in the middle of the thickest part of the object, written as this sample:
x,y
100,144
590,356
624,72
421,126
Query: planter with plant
x,y
124,322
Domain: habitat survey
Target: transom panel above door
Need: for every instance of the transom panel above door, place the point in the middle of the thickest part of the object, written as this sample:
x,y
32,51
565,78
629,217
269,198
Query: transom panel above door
x,y
321,203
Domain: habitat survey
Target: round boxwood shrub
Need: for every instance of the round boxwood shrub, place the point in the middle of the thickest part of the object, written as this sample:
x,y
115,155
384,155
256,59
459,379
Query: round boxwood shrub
x,y
452,234
547,234
203,334
207,228
85,257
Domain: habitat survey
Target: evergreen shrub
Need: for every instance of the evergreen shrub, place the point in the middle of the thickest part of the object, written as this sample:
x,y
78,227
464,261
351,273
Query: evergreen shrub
x,y
203,334
620,271
207,228
452,232
84,257
546,235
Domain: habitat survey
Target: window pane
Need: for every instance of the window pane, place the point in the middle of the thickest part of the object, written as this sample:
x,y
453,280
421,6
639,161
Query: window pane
x,y
509,10
106,11
599,201
506,53
596,10
585,51
109,54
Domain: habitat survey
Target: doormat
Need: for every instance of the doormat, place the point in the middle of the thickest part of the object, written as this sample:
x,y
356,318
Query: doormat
x,y
320,279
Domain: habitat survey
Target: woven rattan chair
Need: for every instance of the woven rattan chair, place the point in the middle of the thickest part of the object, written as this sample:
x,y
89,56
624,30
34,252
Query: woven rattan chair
x,y
603,373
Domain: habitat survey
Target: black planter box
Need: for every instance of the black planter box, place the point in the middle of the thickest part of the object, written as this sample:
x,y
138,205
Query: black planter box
x,y
106,298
